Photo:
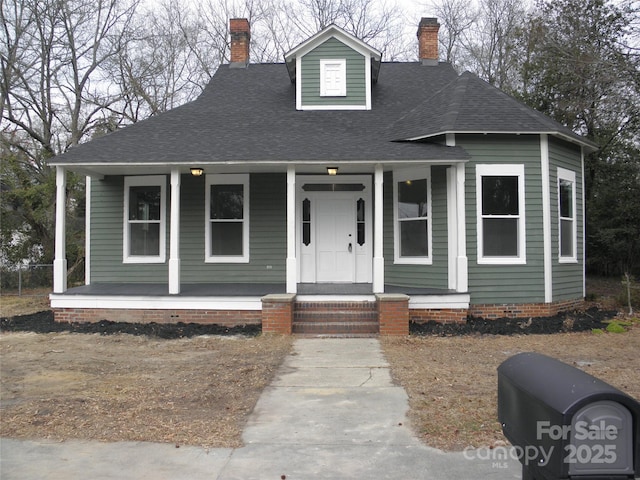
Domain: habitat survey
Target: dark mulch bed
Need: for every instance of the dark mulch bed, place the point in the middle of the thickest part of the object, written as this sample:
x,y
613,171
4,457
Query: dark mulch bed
x,y
43,322
577,321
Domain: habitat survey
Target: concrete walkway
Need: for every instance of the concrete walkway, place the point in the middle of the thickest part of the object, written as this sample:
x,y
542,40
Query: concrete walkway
x,y
332,412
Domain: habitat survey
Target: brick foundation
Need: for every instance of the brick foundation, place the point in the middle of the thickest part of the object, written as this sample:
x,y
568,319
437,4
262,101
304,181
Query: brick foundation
x,y
525,310
277,313
227,318
440,315
393,314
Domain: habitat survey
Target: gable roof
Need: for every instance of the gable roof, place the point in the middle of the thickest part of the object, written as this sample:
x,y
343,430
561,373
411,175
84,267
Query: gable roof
x,y
333,31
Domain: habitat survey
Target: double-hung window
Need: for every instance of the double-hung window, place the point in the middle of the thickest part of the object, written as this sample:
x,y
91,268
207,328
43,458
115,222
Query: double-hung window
x,y
144,219
500,214
412,216
567,215
227,218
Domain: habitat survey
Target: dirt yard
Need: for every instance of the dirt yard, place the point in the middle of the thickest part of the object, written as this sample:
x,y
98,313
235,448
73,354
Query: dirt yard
x,y
188,391
452,381
191,385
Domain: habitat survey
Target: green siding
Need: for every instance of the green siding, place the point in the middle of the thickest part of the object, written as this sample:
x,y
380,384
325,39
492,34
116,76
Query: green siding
x,y
506,283
567,277
432,276
310,75
487,283
267,235
107,210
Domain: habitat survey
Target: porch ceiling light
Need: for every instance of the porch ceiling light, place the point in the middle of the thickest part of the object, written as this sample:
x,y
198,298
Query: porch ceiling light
x,y
196,171
332,170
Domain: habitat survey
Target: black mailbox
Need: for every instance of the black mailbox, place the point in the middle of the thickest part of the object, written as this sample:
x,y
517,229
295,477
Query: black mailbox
x,y
565,423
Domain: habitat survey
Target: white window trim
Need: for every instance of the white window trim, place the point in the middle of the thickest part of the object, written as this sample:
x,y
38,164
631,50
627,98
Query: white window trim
x,y
498,170
343,69
569,176
401,176
227,179
143,181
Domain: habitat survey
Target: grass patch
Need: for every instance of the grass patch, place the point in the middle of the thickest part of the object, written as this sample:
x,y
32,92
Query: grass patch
x,y
616,327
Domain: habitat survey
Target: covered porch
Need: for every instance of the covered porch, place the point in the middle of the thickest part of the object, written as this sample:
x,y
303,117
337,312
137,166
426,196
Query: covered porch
x,y
374,279
370,259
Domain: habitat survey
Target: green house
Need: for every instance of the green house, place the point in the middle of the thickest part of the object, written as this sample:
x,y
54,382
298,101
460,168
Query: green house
x,y
331,193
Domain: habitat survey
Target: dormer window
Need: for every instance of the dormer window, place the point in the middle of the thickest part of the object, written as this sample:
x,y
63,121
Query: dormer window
x,y
320,66
333,78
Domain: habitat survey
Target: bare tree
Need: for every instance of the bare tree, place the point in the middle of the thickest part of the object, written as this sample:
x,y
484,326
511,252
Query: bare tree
x,y
156,69
55,93
490,42
456,18
380,23
54,88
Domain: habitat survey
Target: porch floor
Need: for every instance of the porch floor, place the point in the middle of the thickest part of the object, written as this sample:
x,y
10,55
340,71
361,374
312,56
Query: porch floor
x,y
243,289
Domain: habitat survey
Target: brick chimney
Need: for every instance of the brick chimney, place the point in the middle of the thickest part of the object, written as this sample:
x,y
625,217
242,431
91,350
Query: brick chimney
x,y
428,41
240,39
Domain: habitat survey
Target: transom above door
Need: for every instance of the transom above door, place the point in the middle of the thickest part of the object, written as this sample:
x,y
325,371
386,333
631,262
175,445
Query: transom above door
x,y
334,229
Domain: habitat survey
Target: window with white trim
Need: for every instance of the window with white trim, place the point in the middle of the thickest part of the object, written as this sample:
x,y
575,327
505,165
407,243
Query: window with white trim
x,y
144,238
500,214
333,78
227,218
412,216
567,231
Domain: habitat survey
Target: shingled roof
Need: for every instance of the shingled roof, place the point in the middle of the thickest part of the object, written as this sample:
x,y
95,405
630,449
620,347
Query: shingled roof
x,y
249,115
470,105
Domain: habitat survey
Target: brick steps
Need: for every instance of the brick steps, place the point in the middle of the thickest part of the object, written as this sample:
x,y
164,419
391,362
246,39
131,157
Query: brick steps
x,y
337,335
335,318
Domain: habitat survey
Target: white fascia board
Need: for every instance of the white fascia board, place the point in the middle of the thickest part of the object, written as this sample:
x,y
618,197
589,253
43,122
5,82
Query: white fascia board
x,y
472,132
155,302
457,301
239,166
340,35
589,146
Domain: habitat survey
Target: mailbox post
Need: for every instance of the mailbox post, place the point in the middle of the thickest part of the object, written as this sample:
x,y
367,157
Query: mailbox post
x,y
565,423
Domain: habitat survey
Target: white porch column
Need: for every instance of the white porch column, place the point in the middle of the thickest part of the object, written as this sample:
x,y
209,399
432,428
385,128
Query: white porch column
x,y
292,265
174,238
87,232
462,265
378,255
60,259
546,218
584,226
452,226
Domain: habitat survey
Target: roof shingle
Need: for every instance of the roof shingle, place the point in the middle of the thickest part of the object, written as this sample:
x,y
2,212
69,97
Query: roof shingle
x,y
249,115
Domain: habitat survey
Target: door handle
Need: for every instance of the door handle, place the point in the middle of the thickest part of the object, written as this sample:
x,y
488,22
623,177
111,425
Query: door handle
x,y
350,247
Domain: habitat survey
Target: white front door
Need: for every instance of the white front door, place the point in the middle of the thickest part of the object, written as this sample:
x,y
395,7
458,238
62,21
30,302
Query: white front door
x,y
335,232
334,229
